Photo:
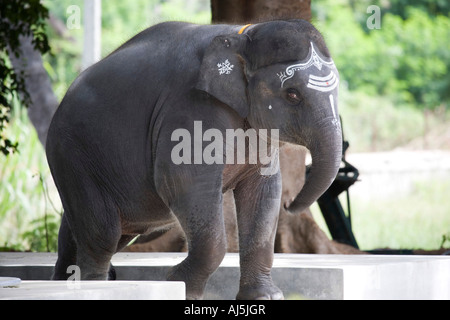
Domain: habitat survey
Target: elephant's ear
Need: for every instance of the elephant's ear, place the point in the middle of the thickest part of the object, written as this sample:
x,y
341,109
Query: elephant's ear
x,y
222,73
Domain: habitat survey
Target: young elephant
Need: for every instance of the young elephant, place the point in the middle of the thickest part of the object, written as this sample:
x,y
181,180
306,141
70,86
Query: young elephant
x,y
120,151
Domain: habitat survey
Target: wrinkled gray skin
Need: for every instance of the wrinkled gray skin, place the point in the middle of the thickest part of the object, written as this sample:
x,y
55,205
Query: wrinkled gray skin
x,y
109,146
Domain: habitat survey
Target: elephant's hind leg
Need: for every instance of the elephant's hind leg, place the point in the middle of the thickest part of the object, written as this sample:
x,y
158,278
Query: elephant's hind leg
x,y
67,252
97,245
90,231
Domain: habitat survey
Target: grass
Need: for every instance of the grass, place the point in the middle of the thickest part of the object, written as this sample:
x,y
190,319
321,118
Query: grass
x,y
415,221
419,220
26,214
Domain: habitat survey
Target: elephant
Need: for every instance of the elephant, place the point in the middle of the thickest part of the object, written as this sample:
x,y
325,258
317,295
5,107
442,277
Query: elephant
x,y
137,145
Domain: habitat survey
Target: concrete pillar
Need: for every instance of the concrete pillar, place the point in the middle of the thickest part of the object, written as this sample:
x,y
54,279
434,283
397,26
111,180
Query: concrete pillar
x,y
92,32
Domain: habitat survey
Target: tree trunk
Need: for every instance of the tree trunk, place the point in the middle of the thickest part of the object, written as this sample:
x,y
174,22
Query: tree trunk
x,y
37,83
247,11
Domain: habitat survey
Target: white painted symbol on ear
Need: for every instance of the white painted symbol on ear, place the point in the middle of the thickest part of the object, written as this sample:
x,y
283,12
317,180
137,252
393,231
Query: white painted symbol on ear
x,y
225,67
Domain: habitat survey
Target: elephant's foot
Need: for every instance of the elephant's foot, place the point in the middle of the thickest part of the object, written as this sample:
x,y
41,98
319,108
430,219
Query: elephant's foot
x,y
194,285
260,292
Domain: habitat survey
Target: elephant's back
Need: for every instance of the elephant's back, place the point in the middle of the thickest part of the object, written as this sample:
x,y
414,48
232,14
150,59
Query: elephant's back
x,y
117,99
163,57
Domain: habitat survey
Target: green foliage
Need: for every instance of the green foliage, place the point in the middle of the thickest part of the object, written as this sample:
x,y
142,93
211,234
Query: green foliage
x,y
408,59
423,68
25,190
17,18
43,235
432,7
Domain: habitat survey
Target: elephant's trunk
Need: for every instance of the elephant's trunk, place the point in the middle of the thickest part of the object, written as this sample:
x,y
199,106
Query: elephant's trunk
x,y
326,153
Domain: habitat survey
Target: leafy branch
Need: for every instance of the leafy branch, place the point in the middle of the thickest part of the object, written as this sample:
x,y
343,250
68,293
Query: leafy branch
x,y
18,18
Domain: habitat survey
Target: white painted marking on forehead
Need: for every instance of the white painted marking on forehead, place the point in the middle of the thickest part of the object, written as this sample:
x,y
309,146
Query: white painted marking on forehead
x,y
323,84
314,60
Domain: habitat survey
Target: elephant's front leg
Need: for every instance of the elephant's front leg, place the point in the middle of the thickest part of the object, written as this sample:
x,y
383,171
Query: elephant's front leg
x,y
199,211
257,204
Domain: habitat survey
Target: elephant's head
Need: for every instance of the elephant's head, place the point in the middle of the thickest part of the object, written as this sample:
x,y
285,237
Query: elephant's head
x,y
279,75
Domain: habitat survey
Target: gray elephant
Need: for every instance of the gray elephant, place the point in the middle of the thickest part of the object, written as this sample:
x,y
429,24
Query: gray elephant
x,y
127,156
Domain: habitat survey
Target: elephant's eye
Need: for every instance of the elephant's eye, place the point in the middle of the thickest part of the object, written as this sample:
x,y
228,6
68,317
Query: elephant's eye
x,y
293,96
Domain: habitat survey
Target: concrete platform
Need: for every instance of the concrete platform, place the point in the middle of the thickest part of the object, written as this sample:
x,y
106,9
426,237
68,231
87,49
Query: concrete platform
x,y
95,290
311,276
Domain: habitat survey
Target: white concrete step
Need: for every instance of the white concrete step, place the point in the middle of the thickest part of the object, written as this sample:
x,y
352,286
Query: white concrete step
x,y
94,290
311,276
